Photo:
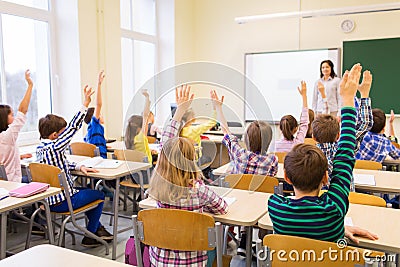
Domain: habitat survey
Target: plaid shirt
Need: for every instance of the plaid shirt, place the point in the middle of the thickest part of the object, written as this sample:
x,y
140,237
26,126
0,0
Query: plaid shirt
x,y
202,199
52,152
377,147
363,125
245,161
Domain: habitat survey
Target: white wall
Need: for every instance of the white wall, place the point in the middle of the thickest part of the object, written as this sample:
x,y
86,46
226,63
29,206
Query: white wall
x,y
209,32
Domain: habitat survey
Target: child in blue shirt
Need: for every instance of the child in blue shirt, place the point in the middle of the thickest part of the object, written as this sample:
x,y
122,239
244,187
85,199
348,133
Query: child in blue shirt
x,y
95,131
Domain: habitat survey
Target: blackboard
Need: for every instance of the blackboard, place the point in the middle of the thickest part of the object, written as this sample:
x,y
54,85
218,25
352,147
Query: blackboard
x,y
382,58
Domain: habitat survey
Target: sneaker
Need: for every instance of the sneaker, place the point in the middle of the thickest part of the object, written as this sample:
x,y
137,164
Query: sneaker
x,y
241,251
90,242
104,234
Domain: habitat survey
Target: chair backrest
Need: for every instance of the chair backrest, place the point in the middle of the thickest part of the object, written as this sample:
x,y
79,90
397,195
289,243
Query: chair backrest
x,y
234,124
84,149
130,155
3,174
281,156
44,173
366,199
176,229
252,182
396,144
368,165
310,141
151,139
301,251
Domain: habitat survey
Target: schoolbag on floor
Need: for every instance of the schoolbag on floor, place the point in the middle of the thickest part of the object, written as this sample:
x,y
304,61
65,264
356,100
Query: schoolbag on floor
x,y
130,253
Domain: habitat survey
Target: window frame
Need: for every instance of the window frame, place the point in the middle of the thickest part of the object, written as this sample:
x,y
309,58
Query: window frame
x,y
48,16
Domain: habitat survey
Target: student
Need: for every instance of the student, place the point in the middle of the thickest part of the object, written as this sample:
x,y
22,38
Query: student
x,y
177,184
305,167
153,130
95,131
376,146
311,117
288,125
253,160
330,103
136,130
56,136
9,130
326,127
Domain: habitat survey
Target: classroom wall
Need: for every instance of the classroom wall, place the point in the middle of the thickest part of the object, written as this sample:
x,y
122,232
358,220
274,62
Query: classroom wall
x,y
210,33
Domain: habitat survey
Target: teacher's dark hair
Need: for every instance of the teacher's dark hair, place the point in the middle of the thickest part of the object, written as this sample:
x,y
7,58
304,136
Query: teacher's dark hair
x,y
330,63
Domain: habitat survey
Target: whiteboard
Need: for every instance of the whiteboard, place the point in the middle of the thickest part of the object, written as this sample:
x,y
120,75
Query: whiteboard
x,y
273,78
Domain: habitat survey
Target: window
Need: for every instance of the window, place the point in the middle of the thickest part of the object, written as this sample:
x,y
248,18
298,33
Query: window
x,y
138,45
24,44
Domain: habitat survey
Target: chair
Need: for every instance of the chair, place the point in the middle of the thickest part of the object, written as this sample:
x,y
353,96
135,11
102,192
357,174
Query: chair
x,y
151,139
135,156
366,199
281,156
396,144
300,251
310,141
209,152
252,182
56,178
177,230
234,124
368,165
84,149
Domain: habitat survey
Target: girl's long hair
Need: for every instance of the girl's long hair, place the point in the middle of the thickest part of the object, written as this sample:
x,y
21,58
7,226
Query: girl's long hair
x,y
132,129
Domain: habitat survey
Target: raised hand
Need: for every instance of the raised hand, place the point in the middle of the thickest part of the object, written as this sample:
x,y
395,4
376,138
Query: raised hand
x,y
217,103
391,120
349,85
28,77
88,92
183,97
303,89
102,75
145,93
365,86
321,89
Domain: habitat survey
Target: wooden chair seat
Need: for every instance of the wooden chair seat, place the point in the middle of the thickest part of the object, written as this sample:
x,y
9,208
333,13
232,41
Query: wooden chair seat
x,y
252,182
130,184
81,209
84,149
281,156
366,199
368,165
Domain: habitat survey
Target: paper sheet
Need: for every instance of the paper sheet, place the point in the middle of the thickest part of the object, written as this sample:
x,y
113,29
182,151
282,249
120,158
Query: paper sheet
x,y
365,179
229,200
100,163
3,193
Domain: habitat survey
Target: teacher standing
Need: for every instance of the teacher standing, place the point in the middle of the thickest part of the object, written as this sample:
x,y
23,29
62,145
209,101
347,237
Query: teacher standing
x,y
326,97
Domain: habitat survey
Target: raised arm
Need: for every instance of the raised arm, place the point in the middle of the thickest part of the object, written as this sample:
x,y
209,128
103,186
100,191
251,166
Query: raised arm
x,y
304,119
146,112
217,103
364,112
24,105
391,127
321,90
183,100
99,100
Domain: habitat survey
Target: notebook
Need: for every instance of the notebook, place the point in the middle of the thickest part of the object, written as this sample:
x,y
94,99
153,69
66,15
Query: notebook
x,y
365,179
30,189
100,163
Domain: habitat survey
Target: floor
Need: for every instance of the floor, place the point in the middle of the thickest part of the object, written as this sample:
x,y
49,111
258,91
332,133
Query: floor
x,y
16,241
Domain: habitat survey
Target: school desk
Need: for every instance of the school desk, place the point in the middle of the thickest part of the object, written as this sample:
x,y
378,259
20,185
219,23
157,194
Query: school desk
x,y
116,174
11,203
50,256
378,220
246,210
385,182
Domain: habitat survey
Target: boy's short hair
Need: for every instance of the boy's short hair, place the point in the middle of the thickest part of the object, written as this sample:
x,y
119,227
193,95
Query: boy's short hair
x,y
379,118
51,124
325,128
305,166
258,136
89,115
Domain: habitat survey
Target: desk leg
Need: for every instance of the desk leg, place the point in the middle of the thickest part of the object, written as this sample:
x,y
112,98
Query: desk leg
x,y
249,239
115,229
49,222
220,154
141,183
3,235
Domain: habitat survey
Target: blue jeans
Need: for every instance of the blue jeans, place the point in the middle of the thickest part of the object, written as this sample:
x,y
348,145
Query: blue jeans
x,y
80,199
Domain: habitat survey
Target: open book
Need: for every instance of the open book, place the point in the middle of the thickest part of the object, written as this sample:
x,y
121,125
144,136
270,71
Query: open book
x,y
100,163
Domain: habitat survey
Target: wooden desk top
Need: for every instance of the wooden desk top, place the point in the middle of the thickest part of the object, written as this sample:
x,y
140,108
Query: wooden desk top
x,y
116,145
126,168
245,211
11,203
378,220
385,181
50,256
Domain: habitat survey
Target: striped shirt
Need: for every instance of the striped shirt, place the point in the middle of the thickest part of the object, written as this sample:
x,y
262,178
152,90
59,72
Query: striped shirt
x,y
248,162
285,145
52,152
364,124
321,217
95,136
